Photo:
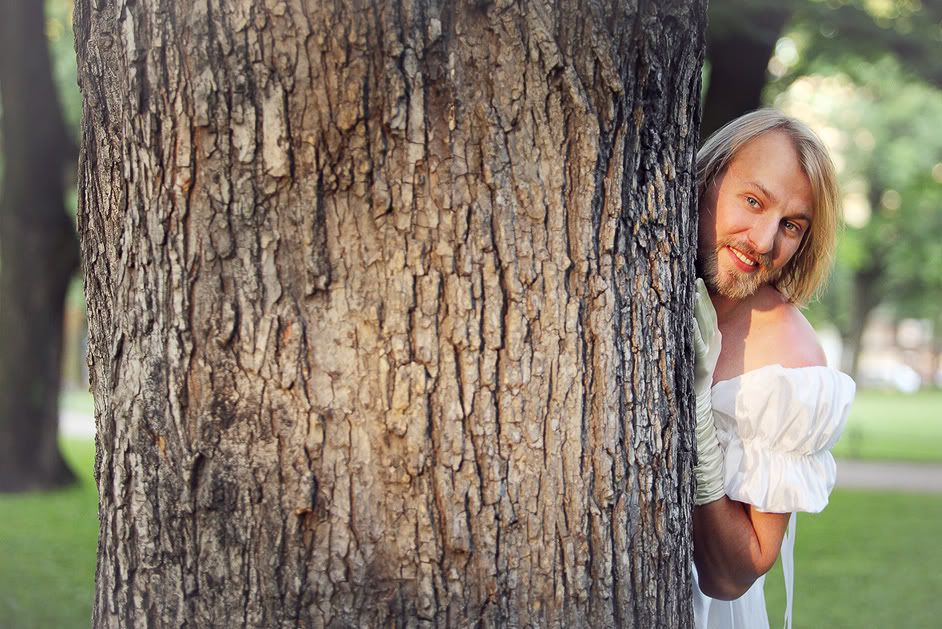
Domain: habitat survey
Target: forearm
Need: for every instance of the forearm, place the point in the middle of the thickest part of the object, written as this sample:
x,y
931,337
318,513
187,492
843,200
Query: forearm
x,y
734,544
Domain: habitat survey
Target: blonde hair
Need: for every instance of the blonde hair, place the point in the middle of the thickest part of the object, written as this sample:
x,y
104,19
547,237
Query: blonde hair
x,y
807,271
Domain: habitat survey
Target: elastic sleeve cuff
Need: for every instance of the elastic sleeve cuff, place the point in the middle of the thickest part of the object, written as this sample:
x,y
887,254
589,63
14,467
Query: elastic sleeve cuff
x,y
778,482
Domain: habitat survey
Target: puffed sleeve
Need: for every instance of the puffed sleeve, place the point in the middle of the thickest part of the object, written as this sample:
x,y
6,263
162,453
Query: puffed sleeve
x,y
777,426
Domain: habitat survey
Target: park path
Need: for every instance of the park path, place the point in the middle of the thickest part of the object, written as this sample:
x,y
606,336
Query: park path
x,y
891,476
850,474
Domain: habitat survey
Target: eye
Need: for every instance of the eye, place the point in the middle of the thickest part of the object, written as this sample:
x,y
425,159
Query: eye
x,y
794,228
753,202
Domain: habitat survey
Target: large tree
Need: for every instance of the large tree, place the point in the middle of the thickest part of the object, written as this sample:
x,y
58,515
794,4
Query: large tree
x,y
389,310
38,253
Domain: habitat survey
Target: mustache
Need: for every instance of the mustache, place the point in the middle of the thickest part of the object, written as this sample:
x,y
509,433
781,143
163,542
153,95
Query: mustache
x,y
763,259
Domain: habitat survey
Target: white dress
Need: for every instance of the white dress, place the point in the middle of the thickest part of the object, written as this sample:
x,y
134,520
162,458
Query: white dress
x,y
776,426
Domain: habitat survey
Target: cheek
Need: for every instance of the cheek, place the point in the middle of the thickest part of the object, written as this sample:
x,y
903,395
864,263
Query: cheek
x,y
731,220
787,252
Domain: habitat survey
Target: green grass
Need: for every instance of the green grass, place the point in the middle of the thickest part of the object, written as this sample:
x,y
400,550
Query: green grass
x,y
871,559
894,426
47,551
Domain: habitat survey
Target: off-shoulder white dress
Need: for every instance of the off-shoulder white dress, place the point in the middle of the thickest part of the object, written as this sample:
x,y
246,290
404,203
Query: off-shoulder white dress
x,y
776,426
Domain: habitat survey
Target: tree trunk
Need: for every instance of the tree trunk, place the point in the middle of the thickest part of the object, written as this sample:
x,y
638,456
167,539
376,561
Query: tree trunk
x,y
38,253
389,311
867,281
865,298
741,41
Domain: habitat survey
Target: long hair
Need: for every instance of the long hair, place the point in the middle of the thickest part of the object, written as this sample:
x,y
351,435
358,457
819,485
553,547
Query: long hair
x,y
807,271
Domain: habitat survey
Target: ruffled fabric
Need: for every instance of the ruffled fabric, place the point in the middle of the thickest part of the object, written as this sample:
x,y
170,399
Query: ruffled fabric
x,y
777,426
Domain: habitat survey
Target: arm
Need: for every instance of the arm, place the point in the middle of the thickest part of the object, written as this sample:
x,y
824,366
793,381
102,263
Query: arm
x,y
733,545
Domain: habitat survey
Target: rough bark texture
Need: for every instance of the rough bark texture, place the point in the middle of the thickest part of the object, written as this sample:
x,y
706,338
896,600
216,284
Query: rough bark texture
x,y
389,311
38,253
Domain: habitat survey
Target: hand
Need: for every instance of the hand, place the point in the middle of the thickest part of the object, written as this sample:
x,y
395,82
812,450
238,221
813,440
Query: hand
x,y
707,340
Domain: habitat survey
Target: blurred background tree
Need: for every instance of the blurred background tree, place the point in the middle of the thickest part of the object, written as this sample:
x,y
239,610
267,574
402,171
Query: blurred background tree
x,y
38,252
884,127
752,43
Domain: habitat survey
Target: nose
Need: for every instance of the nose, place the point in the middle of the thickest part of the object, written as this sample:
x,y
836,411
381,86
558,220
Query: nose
x,y
762,234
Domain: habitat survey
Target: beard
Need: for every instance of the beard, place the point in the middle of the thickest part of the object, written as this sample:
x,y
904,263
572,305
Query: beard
x,y
732,283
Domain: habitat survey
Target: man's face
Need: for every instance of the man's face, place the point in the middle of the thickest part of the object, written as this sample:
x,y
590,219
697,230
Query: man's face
x,y
754,217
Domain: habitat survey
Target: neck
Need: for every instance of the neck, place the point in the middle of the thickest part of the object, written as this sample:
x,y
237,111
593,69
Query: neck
x,y
725,306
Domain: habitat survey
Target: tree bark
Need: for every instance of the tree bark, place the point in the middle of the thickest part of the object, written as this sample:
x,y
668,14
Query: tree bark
x,y
38,253
389,311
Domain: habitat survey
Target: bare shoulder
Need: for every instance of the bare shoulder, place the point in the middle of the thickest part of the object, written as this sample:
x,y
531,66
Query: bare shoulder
x,y
781,334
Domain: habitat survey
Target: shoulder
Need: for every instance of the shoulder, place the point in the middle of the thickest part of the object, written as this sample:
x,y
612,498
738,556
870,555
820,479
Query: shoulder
x,y
780,334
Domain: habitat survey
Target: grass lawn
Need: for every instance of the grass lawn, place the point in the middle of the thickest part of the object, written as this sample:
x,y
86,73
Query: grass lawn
x,y
871,559
47,551
894,426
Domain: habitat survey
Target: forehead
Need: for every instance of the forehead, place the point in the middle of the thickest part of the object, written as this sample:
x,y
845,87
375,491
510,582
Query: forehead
x,y
772,162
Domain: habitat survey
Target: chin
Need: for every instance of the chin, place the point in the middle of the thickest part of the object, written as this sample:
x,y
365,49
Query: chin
x,y
733,285
738,292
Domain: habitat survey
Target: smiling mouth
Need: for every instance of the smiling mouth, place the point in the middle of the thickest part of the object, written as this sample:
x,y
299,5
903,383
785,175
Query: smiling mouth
x,y
742,257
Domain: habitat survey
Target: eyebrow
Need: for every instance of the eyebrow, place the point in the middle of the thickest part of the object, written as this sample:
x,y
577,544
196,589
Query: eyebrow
x,y
772,198
765,191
